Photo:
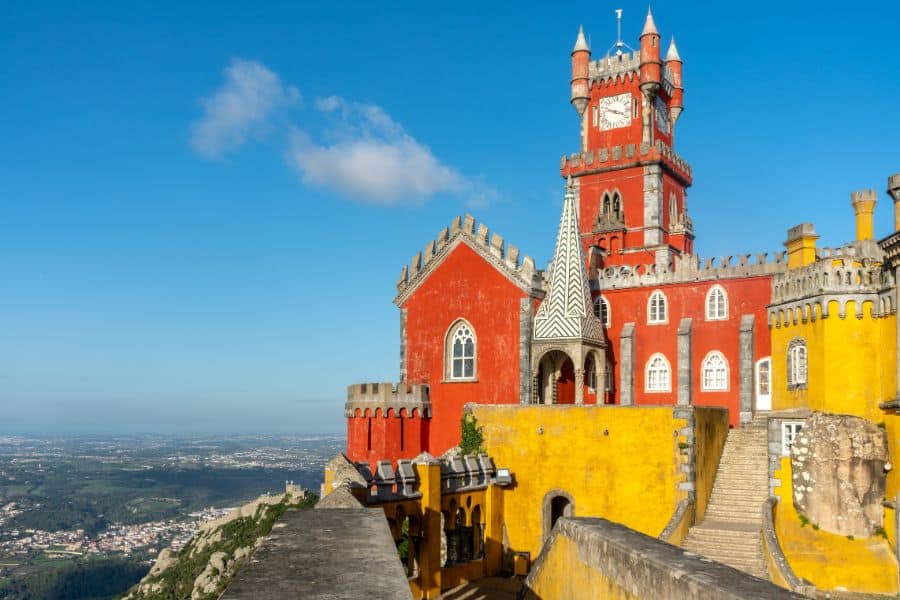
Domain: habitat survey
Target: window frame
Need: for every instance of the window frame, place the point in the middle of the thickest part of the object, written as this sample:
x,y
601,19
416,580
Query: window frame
x,y
726,382
796,349
450,358
710,316
602,301
665,307
789,431
648,368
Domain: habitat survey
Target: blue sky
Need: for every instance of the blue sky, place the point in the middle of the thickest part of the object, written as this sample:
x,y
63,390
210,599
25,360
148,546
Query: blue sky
x,y
204,207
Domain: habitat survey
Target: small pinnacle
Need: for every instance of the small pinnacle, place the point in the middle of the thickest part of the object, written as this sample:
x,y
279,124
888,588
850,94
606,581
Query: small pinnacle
x,y
672,54
580,42
649,25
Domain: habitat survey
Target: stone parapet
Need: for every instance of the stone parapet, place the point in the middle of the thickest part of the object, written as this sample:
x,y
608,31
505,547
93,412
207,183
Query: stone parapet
x,y
609,68
491,246
688,269
384,396
603,159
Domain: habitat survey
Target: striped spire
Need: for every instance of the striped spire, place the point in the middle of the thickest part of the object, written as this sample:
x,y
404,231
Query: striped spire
x,y
566,312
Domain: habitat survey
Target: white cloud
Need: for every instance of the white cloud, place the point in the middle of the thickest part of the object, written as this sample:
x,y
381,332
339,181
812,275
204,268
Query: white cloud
x,y
371,158
240,108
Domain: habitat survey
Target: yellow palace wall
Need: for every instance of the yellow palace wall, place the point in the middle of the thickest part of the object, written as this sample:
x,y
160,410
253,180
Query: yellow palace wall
x,y
851,362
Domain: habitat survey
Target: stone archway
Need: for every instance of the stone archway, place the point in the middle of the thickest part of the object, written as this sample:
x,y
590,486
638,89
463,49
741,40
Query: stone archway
x,y
557,503
556,378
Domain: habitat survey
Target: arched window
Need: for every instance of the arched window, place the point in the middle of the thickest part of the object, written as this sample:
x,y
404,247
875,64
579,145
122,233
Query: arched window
x,y
673,209
590,373
796,365
606,204
617,205
658,374
714,373
656,308
716,304
601,310
460,355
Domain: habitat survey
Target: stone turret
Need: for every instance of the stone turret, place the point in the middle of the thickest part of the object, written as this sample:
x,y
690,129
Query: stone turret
x,y
894,191
581,60
674,67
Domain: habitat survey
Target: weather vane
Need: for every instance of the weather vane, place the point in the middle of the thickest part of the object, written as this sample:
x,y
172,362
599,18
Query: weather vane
x,y
619,43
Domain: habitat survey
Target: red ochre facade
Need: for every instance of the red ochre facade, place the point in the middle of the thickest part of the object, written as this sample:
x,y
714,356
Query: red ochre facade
x,y
468,283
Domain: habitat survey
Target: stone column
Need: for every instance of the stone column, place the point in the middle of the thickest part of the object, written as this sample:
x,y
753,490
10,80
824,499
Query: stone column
x,y
684,362
428,471
403,344
525,331
652,205
745,358
626,365
579,386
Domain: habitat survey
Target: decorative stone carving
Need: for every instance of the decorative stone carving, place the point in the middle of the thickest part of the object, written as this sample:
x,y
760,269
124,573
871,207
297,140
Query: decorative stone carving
x,y
838,473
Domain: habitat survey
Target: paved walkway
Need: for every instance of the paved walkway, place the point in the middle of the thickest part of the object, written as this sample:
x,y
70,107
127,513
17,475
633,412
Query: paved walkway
x,y
489,588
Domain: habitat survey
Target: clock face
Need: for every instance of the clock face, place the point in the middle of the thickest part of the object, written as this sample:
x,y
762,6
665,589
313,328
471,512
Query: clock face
x,y
615,111
662,116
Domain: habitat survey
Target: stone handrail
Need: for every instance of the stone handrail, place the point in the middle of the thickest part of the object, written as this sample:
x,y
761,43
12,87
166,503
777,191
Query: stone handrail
x,y
775,558
683,511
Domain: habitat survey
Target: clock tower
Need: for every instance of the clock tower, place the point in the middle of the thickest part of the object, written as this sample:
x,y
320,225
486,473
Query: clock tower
x,y
631,185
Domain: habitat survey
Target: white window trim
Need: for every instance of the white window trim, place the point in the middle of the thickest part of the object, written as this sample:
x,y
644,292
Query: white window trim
x,y
793,383
787,438
709,294
709,356
668,382
600,299
650,319
448,353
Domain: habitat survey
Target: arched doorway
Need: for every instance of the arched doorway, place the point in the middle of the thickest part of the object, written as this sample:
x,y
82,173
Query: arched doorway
x,y
556,378
557,504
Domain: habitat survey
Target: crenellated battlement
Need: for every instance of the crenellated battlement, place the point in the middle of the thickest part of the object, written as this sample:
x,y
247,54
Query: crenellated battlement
x,y
619,156
851,273
490,245
687,269
458,474
413,399
609,67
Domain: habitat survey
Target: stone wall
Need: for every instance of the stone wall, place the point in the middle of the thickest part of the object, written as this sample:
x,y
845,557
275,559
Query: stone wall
x,y
838,473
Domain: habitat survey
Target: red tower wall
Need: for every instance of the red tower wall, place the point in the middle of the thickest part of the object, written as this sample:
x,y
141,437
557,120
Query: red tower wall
x,y
375,434
463,286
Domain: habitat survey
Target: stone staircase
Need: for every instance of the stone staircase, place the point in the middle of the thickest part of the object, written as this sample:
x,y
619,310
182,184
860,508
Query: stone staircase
x,y
730,530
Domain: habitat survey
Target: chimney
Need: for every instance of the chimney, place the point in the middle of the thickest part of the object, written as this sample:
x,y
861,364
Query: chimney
x,y
801,245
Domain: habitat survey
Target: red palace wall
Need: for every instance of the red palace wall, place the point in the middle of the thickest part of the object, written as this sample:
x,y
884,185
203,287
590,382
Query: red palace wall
x,y
380,436
745,296
464,286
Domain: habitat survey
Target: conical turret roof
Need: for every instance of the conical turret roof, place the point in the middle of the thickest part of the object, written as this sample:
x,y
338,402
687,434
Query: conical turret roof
x,y
672,54
649,25
581,42
566,312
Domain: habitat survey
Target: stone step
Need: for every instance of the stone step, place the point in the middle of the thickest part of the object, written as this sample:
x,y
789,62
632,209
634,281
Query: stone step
x,y
718,537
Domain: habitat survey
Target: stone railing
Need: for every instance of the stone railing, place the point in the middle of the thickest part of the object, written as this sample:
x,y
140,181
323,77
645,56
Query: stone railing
x,y
458,474
503,255
690,268
414,398
776,562
625,154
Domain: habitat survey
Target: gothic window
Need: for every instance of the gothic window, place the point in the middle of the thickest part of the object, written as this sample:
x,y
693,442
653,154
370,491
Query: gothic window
x,y
606,204
796,365
617,205
634,108
601,310
656,308
673,210
716,304
658,375
714,373
461,352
